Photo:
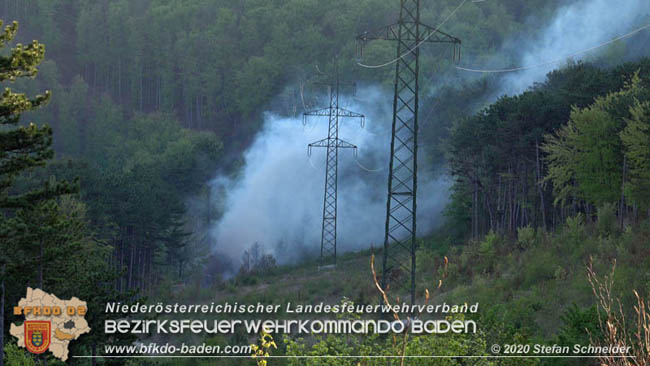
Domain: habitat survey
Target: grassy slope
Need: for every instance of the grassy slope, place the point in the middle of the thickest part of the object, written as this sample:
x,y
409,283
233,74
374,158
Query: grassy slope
x,y
526,282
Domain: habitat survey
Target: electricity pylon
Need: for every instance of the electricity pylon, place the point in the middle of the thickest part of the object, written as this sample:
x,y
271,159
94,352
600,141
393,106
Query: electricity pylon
x,y
333,143
399,240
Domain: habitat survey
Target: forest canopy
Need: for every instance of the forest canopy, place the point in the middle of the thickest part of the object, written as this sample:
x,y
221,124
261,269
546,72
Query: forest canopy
x,y
115,123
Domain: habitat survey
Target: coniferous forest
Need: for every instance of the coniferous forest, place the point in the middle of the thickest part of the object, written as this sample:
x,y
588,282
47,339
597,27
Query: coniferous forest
x,y
133,131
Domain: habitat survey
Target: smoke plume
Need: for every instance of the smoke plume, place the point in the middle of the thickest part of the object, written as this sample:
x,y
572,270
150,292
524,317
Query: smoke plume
x,y
277,199
574,28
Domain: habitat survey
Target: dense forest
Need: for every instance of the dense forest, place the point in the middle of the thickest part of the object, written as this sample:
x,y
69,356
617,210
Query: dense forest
x,y
150,98
117,118
560,148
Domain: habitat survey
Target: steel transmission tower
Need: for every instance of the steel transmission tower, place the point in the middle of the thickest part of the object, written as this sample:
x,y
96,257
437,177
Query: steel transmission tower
x,y
399,241
333,143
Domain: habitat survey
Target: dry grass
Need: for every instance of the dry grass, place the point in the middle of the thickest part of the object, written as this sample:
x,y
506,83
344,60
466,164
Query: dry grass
x,y
615,327
385,297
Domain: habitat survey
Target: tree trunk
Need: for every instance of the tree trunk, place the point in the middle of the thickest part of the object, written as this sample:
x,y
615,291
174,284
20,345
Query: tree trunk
x,y
510,205
621,212
490,213
524,188
574,205
143,252
475,211
2,315
150,267
198,112
120,264
131,257
119,79
141,90
40,266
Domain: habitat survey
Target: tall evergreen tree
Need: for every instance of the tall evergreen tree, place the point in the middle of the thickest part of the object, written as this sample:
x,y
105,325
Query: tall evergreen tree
x,y
22,147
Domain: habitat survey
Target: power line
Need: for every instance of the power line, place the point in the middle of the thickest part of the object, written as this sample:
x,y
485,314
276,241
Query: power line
x,y
365,168
554,61
417,45
311,162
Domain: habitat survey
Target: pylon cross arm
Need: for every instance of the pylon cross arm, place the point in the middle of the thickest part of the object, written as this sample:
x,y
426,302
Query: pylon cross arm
x,y
323,112
342,144
320,143
391,33
342,112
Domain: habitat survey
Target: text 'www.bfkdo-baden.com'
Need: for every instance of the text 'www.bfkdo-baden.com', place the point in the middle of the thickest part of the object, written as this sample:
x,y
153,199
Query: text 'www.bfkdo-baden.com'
x,y
176,349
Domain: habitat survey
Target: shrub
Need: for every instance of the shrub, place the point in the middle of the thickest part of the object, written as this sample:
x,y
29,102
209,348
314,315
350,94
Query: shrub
x,y
542,267
560,273
574,231
526,237
579,326
487,248
606,224
15,356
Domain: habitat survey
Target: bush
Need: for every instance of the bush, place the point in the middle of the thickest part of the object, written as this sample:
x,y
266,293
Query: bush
x,y
574,231
487,248
542,266
606,224
579,326
526,237
15,356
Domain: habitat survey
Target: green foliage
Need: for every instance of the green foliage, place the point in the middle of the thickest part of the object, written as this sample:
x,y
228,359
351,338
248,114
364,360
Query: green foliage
x,y
585,157
525,298
15,356
487,248
457,214
526,237
217,64
554,143
22,147
636,139
579,326
137,175
457,344
606,224
575,230
543,268
46,240
131,78
374,345
22,61
28,214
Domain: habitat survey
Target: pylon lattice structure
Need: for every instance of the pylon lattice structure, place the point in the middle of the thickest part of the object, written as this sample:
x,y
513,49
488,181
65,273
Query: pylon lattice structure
x,y
333,143
399,242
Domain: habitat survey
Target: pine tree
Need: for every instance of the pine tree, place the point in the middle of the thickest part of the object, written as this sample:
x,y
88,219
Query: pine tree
x,y
22,147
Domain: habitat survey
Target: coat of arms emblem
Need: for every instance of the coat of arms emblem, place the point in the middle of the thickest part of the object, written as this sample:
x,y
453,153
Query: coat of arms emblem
x,y
37,335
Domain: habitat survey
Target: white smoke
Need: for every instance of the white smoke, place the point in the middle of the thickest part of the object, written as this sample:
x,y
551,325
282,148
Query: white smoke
x,y
574,28
277,200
